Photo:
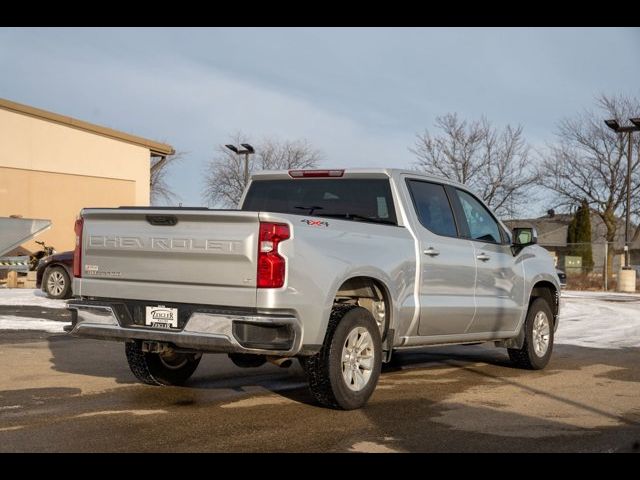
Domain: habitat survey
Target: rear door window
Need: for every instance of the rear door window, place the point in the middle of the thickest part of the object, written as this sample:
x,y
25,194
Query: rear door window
x,y
433,208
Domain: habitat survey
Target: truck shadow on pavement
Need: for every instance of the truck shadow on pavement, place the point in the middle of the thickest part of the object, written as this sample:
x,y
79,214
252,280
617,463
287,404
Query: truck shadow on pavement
x,y
216,372
12,400
89,357
472,399
565,357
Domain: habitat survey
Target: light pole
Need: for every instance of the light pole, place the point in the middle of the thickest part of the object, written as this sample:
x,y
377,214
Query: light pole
x,y
615,126
246,150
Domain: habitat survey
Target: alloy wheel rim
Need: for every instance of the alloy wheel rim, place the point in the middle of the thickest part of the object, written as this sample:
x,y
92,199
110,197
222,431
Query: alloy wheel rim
x,y
357,359
55,283
541,334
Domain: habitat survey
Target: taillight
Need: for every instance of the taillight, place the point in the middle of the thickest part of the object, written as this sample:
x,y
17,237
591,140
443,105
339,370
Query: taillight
x,y
315,173
77,252
271,266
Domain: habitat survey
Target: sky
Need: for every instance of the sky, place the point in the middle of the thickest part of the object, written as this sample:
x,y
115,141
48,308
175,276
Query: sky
x,y
359,95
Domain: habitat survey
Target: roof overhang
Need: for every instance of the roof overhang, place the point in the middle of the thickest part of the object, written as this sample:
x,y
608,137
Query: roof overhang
x,y
155,148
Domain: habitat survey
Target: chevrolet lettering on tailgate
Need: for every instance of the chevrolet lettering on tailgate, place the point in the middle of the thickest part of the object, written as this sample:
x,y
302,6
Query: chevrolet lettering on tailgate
x,y
163,243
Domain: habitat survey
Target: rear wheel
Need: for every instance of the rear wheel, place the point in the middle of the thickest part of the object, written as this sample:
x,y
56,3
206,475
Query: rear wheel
x,y
538,338
57,283
345,372
167,368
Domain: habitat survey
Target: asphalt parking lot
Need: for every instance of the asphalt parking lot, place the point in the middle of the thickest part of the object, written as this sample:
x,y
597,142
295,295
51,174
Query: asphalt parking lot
x,y
61,394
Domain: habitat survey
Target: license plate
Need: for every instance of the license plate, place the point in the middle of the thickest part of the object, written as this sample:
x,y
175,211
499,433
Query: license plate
x,y
161,317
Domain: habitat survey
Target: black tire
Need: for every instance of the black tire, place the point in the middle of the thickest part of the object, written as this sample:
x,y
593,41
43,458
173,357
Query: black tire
x,y
154,369
303,363
526,357
59,278
325,369
247,360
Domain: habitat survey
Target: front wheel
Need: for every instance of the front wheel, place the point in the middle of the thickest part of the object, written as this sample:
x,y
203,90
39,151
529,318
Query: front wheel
x,y
345,372
538,338
167,368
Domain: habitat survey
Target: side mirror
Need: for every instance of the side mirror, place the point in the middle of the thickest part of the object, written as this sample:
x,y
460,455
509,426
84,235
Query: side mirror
x,y
523,237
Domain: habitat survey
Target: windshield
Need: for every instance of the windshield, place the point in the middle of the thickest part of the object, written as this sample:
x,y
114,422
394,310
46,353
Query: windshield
x,y
346,198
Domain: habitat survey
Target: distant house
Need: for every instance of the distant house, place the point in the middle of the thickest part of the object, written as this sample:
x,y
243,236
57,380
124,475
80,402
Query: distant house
x,y
552,234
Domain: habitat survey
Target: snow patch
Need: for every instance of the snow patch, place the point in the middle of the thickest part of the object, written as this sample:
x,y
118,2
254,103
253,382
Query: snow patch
x,y
10,322
119,412
9,429
371,447
257,401
588,321
28,296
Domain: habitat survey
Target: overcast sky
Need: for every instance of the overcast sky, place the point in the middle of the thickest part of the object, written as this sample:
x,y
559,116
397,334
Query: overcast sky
x,y
358,94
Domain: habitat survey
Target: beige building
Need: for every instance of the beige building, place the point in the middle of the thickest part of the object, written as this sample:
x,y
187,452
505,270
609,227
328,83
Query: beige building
x,y
51,166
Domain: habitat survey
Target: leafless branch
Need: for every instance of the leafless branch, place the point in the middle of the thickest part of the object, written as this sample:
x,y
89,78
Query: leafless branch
x,y
589,161
224,175
158,179
494,163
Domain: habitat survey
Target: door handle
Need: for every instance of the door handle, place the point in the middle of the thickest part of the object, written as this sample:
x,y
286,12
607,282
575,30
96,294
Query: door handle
x,y
483,257
432,252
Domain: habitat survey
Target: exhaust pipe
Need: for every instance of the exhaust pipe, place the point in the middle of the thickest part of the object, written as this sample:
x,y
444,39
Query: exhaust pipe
x,y
282,362
155,347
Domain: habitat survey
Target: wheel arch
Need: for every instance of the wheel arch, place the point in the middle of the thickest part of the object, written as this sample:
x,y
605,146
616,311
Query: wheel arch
x,y
370,292
549,292
540,289
62,266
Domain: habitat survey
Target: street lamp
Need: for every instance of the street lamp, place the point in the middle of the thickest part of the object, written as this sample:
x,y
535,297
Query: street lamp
x,y
246,150
615,126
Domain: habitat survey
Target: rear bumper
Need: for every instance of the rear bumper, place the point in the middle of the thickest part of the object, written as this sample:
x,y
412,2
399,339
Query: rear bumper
x,y
205,331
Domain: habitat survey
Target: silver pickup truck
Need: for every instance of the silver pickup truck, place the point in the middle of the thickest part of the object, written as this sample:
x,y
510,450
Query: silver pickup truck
x,y
338,268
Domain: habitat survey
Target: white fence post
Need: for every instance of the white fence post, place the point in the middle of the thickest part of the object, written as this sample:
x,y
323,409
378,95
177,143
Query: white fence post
x,y
606,266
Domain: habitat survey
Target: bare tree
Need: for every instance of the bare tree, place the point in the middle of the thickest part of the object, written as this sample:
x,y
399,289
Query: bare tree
x,y
160,189
589,161
224,175
494,163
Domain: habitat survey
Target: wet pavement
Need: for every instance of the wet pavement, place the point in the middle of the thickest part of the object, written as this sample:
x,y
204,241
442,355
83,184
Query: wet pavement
x,y
62,394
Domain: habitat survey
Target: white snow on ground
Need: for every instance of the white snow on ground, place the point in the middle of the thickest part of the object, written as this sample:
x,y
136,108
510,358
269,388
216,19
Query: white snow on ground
x,y
589,321
10,322
601,295
28,296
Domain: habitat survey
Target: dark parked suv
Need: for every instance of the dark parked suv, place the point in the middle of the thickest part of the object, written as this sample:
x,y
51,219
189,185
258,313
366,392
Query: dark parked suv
x,y
55,275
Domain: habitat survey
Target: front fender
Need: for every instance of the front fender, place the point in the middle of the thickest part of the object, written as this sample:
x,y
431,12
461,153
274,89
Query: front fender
x,y
538,268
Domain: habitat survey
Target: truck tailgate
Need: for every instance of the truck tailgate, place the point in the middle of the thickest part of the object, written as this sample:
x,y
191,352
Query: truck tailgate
x,y
179,255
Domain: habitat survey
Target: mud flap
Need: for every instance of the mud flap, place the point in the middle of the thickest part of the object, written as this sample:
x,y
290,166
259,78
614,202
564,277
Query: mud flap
x,y
387,346
514,342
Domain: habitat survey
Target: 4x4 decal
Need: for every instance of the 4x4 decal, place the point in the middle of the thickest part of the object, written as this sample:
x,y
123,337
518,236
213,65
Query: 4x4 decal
x,y
315,223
